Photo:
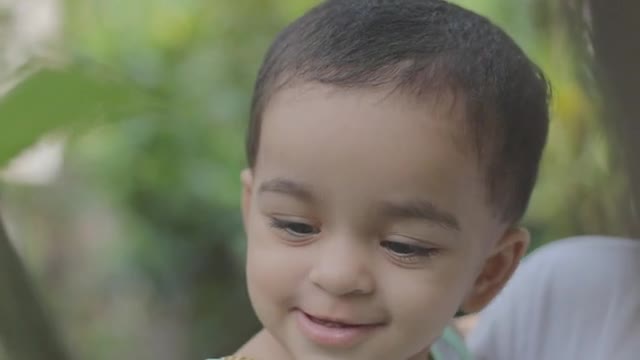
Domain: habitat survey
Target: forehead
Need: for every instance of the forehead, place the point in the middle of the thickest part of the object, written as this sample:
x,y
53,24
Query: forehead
x,y
369,120
366,142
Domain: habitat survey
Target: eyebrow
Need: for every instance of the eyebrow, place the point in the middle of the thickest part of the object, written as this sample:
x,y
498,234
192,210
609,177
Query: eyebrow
x,y
414,209
287,187
421,210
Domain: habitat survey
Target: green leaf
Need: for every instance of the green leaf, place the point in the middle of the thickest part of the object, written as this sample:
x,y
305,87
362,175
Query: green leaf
x,y
54,99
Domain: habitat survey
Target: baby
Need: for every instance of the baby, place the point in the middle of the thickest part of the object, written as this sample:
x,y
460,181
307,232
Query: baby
x,y
393,147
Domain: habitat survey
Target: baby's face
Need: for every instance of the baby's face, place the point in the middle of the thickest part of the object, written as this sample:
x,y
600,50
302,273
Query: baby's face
x,y
367,223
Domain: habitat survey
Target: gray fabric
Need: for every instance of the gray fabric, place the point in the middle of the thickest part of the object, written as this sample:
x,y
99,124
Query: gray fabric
x,y
577,298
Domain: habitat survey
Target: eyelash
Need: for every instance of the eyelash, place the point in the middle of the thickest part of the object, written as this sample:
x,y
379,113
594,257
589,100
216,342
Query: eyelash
x,y
414,253
286,226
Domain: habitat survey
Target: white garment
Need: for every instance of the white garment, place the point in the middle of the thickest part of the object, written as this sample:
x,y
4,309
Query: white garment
x,y
577,298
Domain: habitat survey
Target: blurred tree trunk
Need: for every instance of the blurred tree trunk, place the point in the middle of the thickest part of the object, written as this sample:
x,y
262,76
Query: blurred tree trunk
x,y
25,330
615,27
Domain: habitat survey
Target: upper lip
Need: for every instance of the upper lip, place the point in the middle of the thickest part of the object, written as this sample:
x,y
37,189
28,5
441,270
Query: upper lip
x,y
341,320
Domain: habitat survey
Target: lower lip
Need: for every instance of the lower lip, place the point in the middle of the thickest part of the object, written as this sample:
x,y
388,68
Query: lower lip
x,y
332,336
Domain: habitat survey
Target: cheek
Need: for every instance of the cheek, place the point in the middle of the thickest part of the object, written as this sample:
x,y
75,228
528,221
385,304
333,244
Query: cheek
x,y
425,302
274,272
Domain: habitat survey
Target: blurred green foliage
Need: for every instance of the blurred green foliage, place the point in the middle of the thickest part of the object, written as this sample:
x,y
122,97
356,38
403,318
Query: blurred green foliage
x,y
64,98
138,245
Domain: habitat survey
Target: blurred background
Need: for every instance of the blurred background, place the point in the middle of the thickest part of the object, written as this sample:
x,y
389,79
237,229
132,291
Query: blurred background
x,y
121,143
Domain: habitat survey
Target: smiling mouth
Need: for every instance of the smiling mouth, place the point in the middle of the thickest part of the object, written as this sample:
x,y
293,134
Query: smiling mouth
x,y
334,332
335,323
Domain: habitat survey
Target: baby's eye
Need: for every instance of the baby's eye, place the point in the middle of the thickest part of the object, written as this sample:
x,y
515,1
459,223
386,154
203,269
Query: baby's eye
x,y
294,228
401,249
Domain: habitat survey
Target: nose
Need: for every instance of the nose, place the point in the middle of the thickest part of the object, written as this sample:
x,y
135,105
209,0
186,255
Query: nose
x,y
343,268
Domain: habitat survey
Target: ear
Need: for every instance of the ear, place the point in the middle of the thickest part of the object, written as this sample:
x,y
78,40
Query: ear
x,y
498,268
246,178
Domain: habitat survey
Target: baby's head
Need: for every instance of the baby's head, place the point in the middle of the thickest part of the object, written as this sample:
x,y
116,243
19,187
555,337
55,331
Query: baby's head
x,y
393,148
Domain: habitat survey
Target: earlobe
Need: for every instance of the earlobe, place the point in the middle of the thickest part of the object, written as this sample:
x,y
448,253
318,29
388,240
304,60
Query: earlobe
x,y
498,268
246,178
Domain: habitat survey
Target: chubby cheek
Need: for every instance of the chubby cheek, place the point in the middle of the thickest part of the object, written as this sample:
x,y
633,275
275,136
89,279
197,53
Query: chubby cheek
x,y
426,314
425,302
274,272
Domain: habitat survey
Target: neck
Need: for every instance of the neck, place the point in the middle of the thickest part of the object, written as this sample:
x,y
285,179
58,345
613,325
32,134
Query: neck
x,y
422,355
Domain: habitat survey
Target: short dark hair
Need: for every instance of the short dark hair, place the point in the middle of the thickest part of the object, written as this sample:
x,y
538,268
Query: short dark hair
x,y
423,46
